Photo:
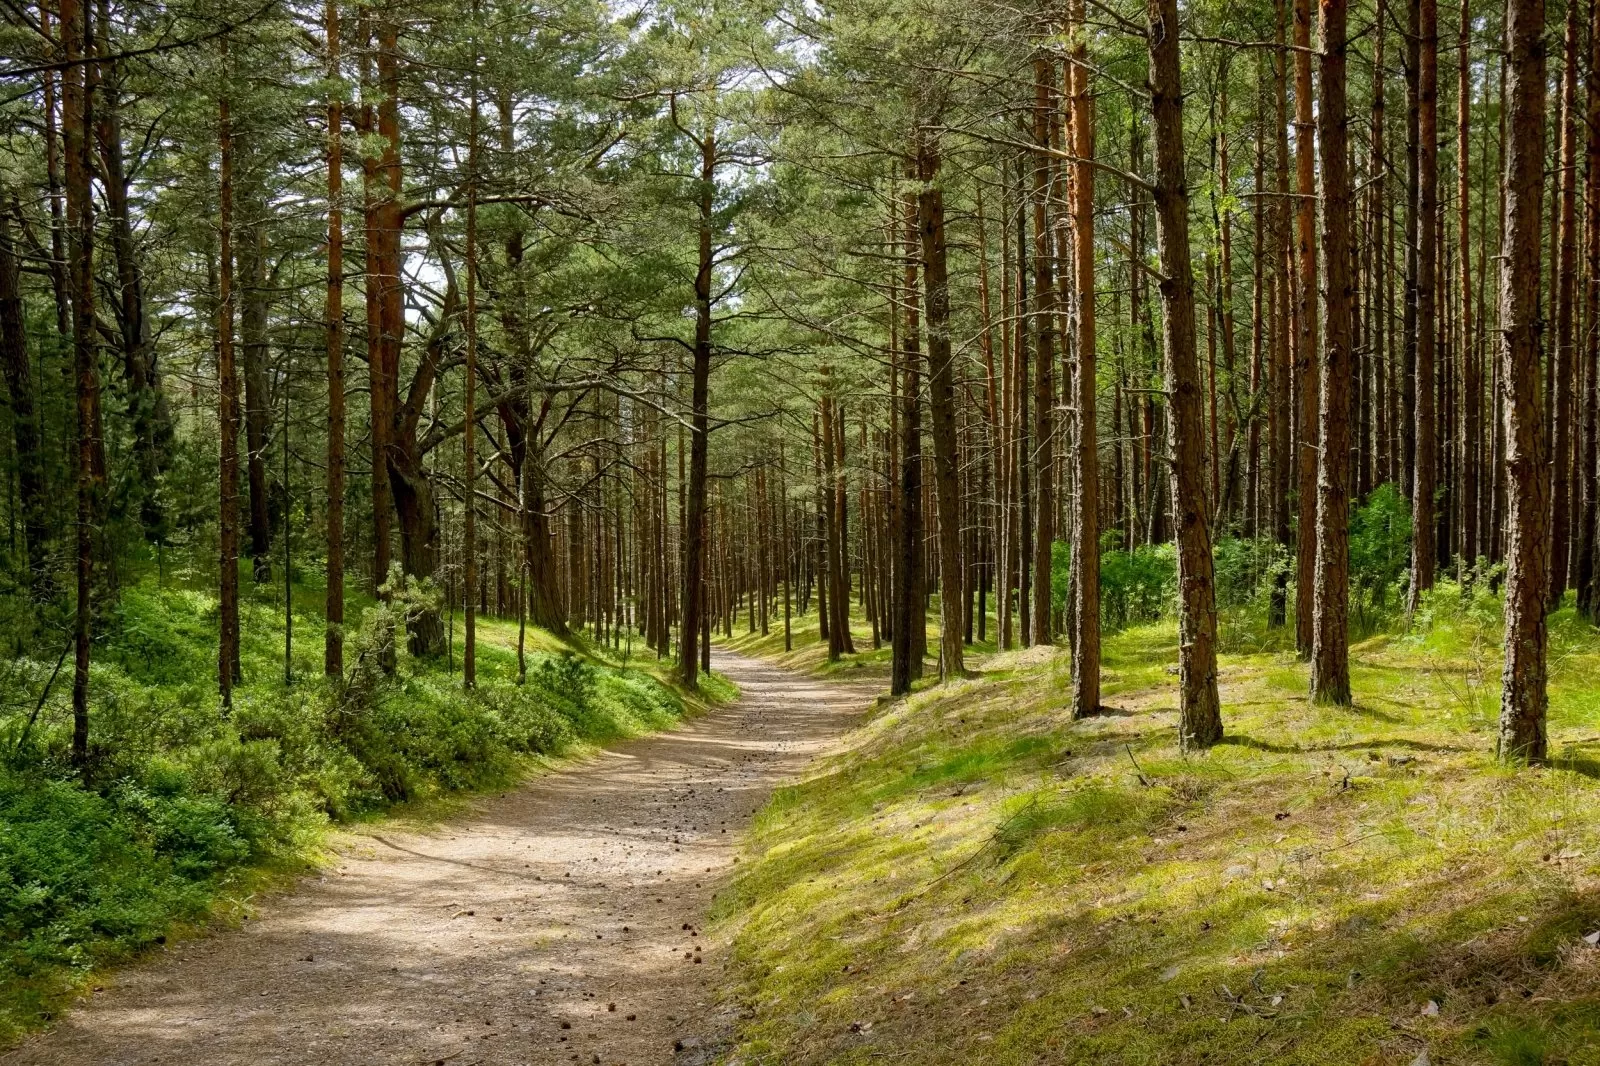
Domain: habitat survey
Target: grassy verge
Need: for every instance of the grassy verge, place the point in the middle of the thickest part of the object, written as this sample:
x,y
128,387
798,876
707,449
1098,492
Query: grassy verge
x,y
189,811
978,878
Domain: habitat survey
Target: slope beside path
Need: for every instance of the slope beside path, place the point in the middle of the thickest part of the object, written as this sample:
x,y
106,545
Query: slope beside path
x,y
559,922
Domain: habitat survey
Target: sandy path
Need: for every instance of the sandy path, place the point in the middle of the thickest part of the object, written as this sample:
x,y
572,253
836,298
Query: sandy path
x,y
505,937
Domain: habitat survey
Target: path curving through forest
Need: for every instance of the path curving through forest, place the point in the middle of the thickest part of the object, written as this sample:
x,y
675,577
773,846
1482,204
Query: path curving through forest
x,y
557,923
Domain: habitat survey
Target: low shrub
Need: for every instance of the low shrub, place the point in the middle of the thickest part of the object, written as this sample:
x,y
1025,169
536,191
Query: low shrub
x,y
1138,585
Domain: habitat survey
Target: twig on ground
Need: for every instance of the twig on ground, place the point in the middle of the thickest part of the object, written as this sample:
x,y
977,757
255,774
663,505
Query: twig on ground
x,y
1138,770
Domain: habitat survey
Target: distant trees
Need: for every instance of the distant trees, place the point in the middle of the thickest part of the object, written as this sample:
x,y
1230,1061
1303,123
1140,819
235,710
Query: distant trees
x,y
856,306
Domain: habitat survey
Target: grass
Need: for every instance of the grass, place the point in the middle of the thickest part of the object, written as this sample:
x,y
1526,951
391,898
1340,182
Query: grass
x,y
975,877
189,811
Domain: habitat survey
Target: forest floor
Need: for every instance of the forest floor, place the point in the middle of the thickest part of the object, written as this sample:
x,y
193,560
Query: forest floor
x,y
559,921
973,876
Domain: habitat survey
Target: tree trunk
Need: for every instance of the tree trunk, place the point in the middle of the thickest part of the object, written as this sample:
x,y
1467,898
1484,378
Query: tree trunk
x,y
52,170
333,639
1423,562
694,600
228,418
1563,377
545,607
1044,326
1524,698
941,408
910,618
1279,418
469,457
77,129
380,177
1306,347
1589,455
147,402
838,602
823,538
1199,712
1330,659
411,484
1023,459
1085,614
839,485
1471,376
252,275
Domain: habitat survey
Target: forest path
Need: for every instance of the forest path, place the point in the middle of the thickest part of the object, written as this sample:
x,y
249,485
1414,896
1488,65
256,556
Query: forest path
x,y
503,937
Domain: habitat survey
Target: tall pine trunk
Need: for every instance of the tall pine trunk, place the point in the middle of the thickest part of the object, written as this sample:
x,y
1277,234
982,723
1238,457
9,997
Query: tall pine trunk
x,y
77,137
1471,370
1423,534
1199,711
910,634
1044,327
1330,658
469,457
333,639
148,410
941,407
838,601
1279,417
694,540
1306,349
1563,366
228,416
1589,446
1085,615
251,274
1524,698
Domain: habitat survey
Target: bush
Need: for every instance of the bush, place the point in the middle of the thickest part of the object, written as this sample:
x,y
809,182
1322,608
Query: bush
x,y
568,683
1380,553
85,877
1137,586
1247,570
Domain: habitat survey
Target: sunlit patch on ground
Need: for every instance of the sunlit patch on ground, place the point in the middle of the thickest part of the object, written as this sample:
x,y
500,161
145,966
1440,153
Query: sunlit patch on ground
x,y
977,878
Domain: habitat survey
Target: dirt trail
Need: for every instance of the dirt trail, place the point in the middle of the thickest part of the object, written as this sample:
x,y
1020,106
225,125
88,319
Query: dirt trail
x,y
503,938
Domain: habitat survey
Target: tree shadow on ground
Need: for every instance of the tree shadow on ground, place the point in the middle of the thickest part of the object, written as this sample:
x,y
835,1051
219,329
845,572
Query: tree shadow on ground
x,y
1377,744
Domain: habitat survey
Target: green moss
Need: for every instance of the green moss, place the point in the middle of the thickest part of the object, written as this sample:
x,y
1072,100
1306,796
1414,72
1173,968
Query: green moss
x,y
979,878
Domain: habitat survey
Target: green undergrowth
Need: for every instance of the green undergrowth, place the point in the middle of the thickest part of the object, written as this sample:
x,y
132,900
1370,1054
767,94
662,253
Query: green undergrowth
x,y
188,810
978,878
